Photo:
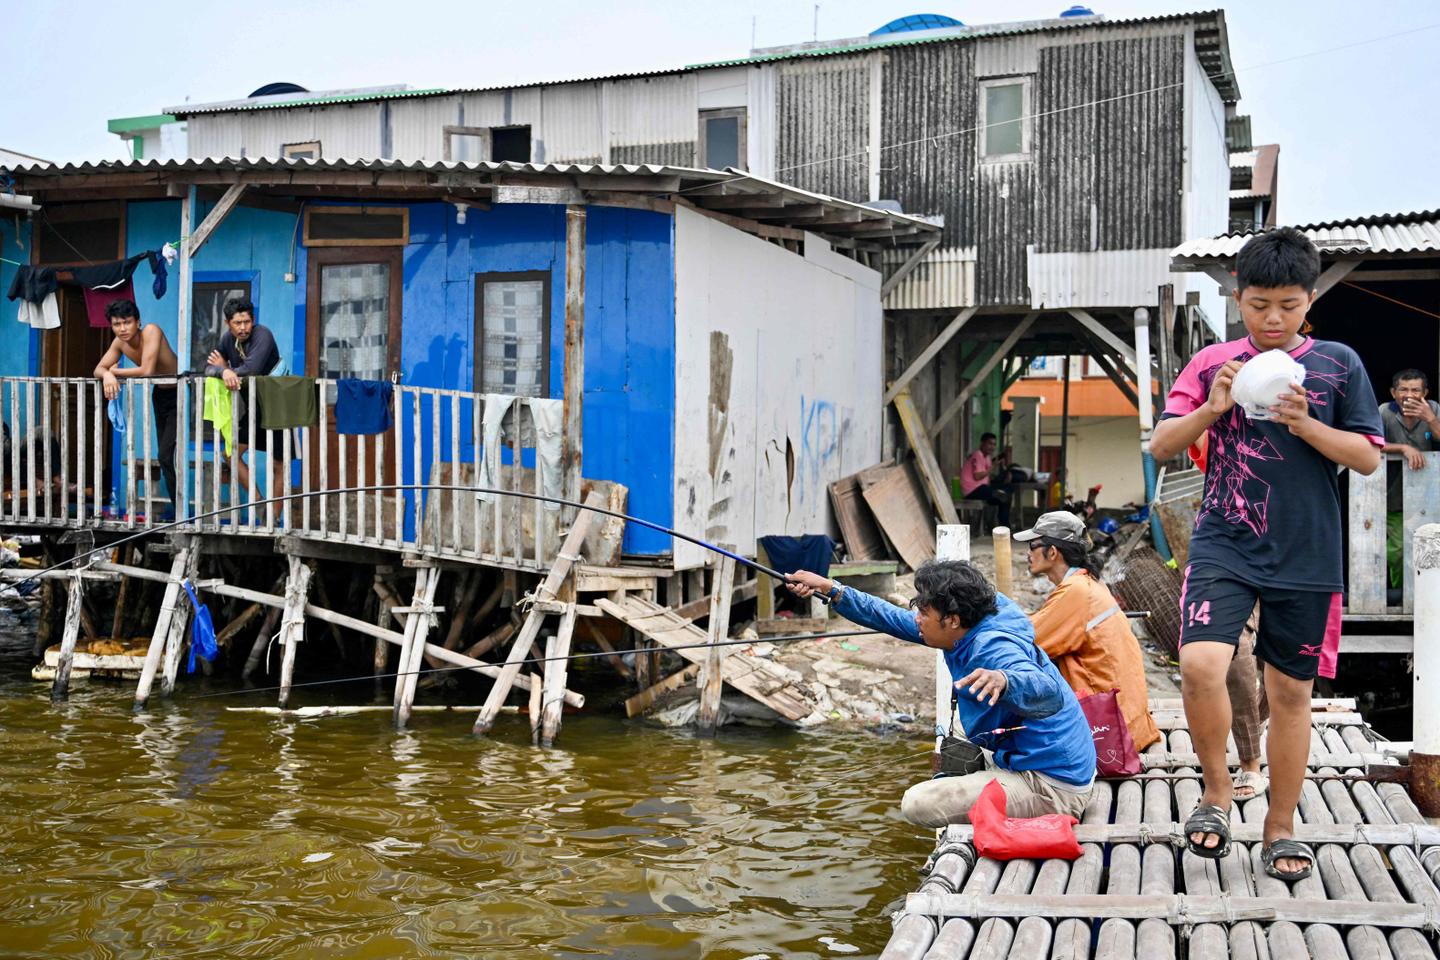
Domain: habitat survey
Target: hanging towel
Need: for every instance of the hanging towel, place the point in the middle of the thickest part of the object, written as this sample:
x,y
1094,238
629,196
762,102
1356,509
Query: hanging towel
x,y
98,298
286,402
492,419
548,416
107,275
202,631
811,552
219,409
44,315
364,406
158,271
116,409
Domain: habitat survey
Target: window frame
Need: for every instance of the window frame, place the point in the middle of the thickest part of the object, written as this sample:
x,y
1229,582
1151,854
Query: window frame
x,y
518,276
75,213
983,88
742,147
308,146
529,139
401,212
219,278
451,130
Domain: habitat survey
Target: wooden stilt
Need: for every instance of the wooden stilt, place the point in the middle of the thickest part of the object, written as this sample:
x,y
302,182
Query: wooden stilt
x,y
175,643
262,640
711,676
536,699
555,673
412,654
383,618
60,687
644,660
645,699
292,623
564,563
162,627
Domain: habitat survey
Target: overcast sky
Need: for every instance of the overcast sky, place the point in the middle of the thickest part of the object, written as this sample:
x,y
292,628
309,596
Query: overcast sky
x,y
1356,126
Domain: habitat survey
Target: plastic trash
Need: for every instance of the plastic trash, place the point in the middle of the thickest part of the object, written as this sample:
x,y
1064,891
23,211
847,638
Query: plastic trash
x,y
1261,381
202,631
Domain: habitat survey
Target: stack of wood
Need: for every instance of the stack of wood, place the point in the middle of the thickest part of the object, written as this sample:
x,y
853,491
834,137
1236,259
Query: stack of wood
x,y
884,514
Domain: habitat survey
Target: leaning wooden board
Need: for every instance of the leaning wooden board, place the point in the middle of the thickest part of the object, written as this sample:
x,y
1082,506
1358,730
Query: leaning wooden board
x,y
903,516
752,676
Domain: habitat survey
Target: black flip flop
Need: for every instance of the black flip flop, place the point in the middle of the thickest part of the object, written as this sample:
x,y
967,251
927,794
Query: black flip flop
x,y
1287,850
1208,818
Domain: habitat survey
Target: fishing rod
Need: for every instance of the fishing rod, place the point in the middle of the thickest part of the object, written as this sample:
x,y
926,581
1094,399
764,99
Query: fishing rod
x,y
792,638
414,487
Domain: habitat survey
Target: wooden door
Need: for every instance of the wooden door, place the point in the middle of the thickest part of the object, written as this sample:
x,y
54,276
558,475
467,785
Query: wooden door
x,y
352,330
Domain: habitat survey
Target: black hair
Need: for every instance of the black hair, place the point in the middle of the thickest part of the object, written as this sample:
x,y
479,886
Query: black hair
x,y
954,588
239,305
988,436
1283,257
1410,374
1074,554
122,310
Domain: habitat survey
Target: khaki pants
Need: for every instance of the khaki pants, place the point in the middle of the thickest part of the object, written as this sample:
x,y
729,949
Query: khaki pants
x,y
1249,708
936,803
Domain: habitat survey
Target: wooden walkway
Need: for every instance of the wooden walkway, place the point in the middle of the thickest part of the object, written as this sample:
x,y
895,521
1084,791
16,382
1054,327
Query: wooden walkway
x,y
1135,893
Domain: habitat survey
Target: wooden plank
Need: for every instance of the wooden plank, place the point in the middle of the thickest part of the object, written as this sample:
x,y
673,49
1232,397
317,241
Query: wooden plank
x,y
1176,909
930,475
574,375
1421,504
292,623
564,561
932,349
552,701
418,618
1001,352
645,699
1365,586
162,627
857,524
712,674
74,597
752,676
1103,333
902,516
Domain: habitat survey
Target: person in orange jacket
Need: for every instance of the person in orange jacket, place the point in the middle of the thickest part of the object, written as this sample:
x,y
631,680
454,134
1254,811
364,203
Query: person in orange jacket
x,y
1081,627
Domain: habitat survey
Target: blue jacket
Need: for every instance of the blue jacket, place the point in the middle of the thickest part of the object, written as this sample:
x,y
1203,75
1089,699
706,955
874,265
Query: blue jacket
x,y
1056,740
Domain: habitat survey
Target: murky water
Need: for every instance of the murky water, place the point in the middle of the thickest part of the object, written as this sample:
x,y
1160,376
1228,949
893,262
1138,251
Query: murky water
x,y
192,831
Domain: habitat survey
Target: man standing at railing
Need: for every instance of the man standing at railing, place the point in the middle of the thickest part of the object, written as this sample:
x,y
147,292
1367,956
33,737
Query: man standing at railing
x,y
1412,429
147,348
247,349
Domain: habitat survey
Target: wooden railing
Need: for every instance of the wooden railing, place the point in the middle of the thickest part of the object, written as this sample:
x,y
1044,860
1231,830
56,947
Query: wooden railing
x,y
1366,576
67,466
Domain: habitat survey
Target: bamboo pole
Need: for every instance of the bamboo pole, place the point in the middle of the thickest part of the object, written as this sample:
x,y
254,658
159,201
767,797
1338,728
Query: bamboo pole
x,y
1004,571
162,627
417,626
711,680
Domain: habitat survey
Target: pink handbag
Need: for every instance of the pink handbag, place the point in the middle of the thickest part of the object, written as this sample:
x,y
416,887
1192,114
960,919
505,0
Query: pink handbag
x,y
1115,754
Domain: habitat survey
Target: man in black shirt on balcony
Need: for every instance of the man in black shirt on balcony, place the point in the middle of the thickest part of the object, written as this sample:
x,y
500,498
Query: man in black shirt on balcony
x,y
247,349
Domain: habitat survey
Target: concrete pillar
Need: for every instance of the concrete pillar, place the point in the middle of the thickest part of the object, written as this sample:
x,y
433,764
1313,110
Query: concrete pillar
x,y
1425,723
952,542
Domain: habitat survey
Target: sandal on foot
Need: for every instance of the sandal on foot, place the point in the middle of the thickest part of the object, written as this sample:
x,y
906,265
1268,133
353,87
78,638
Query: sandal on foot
x,y
1208,818
1257,783
1287,850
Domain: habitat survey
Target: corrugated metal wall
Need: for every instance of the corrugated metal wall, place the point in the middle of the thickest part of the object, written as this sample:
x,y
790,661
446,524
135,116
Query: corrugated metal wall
x,y
345,132
1004,208
657,114
823,126
417,127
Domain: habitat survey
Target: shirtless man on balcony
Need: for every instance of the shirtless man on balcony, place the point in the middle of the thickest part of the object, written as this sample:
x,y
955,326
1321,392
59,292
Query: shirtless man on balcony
x,y
147,348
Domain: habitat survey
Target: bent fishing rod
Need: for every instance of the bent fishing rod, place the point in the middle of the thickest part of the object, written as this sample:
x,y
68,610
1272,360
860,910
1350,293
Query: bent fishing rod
x,y
414,487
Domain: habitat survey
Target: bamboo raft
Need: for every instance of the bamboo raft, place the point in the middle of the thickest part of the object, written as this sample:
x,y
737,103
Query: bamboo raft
x,y
1135,893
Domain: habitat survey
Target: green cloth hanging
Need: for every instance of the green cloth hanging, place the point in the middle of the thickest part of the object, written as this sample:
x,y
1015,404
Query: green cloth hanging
x,y
286,402
219,410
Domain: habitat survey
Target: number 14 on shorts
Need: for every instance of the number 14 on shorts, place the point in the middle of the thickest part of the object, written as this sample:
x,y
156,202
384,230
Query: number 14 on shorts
x,y
1198,613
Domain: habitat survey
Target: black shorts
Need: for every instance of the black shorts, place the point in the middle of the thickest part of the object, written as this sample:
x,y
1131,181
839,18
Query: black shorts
x,y
1299,631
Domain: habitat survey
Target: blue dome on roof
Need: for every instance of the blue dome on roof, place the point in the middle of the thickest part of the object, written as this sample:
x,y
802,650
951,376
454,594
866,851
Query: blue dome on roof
x,y
917,21
1077,11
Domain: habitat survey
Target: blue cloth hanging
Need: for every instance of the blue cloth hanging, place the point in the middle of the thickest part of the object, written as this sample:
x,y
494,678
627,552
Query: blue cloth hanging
x,y
202,631
158,271
364,406
116,409
811,552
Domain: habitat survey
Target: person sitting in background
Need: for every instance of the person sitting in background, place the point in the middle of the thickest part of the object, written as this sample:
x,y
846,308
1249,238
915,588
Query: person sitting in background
x,y
1081,627
979,477
1009,696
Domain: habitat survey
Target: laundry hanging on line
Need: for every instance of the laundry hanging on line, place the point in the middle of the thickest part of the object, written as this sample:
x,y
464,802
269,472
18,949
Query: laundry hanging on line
x,y
44,315
33,284
219,410
364,406
106,275
98,300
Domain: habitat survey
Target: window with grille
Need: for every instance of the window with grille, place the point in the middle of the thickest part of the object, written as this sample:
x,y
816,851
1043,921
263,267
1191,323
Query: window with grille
x,y
512,333
354,320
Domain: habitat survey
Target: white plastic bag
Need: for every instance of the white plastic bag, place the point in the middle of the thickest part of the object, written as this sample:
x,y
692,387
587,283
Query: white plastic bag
x,y
1261,381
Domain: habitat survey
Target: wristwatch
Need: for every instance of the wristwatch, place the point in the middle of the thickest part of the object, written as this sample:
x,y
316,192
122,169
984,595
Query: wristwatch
x,y
835,587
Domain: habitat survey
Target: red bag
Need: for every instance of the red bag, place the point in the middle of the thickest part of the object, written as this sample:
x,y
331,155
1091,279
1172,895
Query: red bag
x,y
1115,753
1003,838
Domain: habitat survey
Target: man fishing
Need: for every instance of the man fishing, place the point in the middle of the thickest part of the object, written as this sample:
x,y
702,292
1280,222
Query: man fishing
x,y
1037,741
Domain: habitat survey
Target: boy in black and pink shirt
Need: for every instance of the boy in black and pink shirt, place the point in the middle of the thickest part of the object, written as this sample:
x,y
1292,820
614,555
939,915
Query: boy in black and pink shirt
x,y
1268,529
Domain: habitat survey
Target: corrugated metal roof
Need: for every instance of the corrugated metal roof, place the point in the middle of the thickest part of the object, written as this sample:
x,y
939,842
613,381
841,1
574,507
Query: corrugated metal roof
x,y
33,176
1386,233
1217,60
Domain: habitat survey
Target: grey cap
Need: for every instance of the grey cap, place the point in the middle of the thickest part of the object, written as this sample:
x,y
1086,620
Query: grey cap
x,y
1057,525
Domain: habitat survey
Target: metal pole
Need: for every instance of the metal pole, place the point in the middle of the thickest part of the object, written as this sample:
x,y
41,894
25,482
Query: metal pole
x,y
1064,432
1425,711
